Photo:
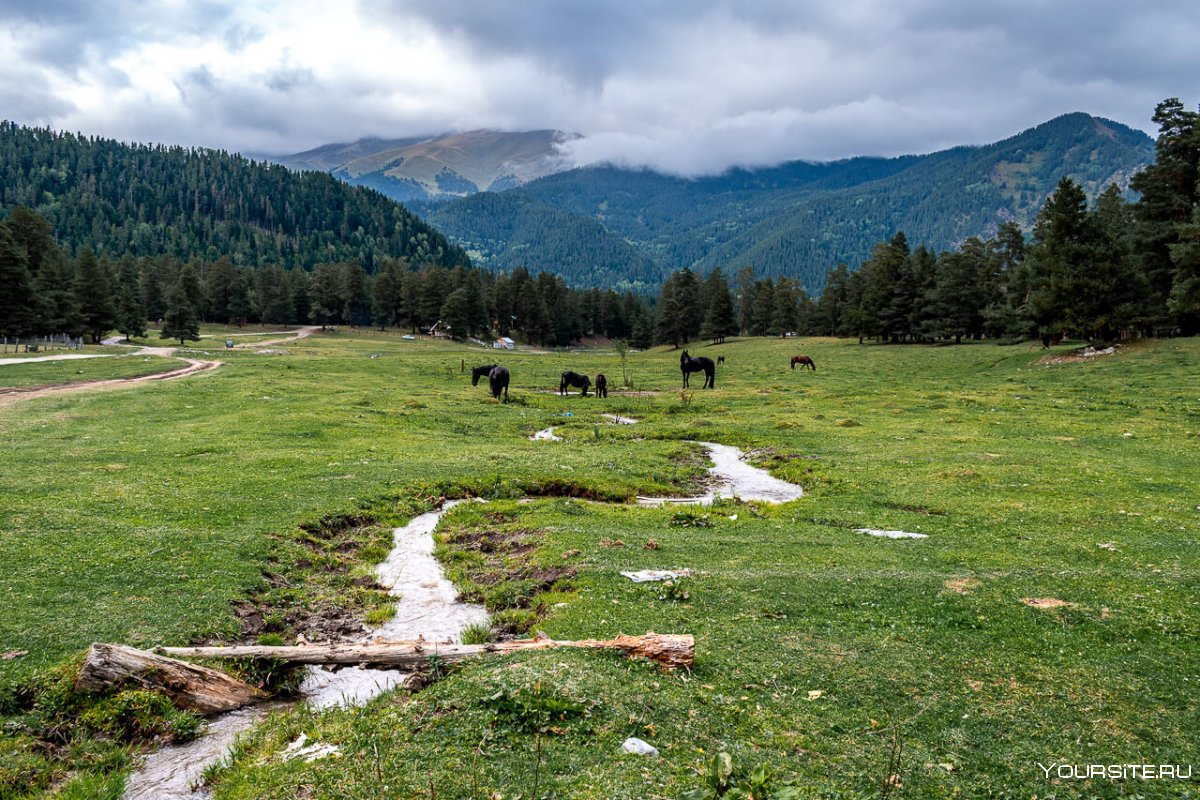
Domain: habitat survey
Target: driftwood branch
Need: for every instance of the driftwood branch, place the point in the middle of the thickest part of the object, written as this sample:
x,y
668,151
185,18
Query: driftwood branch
x,y
207,691
672,651
210,691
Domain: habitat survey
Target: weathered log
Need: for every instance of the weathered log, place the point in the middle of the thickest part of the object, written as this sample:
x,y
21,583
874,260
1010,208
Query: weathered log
x,y
200,689
670,650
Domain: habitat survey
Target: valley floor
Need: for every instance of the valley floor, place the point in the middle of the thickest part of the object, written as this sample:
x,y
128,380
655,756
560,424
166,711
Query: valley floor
x,y
1051,617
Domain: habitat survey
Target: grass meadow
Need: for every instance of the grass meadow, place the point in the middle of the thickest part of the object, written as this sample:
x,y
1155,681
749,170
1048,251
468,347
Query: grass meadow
x,y
853,666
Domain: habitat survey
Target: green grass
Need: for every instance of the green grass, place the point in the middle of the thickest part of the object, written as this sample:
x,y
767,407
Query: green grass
x,y
181,496
53,373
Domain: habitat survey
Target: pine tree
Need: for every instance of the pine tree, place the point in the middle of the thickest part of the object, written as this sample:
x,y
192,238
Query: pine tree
x,y
387,295
324,294
1169,194
17,301
131,314
669,324
93,293
274,295
785,309
720,318
181,320
764,307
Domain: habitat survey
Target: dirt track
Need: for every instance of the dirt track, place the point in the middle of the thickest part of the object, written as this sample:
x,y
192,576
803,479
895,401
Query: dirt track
x,y
10,396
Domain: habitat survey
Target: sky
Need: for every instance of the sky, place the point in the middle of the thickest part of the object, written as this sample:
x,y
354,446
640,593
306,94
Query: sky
x,y
684,86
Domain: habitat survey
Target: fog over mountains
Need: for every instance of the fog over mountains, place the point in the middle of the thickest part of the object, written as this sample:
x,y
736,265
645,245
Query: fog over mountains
x,y
513,199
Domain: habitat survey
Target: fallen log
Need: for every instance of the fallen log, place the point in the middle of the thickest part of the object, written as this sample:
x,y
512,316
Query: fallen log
x,y
200,689
670,650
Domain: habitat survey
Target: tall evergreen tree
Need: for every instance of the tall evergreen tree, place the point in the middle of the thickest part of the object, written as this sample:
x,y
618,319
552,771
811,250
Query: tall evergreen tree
x,y
131,314
93,293
720,318
181,320
274,295
669,327
17,300
1168,191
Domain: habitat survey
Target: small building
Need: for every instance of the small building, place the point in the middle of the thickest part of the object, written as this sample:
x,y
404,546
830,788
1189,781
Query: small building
x,y
504,343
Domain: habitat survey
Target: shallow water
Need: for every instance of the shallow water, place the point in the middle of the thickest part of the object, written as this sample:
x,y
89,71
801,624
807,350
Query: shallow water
x,y
733,477
619,420
427,607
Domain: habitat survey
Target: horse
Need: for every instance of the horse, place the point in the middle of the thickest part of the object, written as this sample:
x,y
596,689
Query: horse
x,y
498,381
803,361
720,359
480,372
689,364
601,385
574,379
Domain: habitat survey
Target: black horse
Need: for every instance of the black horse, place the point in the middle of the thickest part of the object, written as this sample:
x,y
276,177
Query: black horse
x,y
601,385
576,380
497,379
689,364
481,372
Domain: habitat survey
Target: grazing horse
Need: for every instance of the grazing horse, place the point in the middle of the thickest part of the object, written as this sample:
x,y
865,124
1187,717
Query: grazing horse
x,y
601,385
689,364
480,372
498,381
574,379
720,359
803,361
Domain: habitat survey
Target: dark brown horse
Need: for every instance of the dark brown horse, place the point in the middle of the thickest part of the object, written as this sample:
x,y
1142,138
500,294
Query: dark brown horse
x,y
574,379
689,364
803,361
601,385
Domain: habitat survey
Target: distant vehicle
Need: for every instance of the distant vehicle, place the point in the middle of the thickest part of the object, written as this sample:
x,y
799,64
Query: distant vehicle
x,y
408,336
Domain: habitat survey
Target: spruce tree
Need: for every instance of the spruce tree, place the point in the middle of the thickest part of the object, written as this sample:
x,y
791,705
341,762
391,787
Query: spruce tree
x,y
131,314
180,320
93,293
669,327
720,318
17,302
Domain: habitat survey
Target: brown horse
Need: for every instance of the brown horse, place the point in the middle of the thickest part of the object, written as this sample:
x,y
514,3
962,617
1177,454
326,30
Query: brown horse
x,y
803,361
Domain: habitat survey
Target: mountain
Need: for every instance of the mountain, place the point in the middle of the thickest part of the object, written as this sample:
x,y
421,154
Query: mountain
x,y
446,166
150,200
798,219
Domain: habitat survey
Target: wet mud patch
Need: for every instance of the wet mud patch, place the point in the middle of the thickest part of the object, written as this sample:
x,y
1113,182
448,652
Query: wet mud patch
x,y
320,585
497,565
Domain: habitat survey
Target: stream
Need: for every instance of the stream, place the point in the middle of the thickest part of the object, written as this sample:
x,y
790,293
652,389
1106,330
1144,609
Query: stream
x,y
427,606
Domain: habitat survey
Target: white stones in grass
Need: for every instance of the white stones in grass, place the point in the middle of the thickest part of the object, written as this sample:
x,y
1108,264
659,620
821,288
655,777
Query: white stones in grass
x,y
891,534
638,747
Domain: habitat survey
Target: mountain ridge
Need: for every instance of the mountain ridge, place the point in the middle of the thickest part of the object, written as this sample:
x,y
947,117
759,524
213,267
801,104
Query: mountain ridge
x,y
799,219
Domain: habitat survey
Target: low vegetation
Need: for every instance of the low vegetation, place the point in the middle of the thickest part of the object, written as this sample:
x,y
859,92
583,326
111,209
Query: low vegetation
x,y
829,663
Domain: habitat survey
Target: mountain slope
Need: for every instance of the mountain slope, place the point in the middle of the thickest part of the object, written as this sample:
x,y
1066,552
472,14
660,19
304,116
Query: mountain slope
x,y
144,200
446,166
800,219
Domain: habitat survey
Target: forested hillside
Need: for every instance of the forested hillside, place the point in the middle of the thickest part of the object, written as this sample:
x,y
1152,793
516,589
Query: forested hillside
x,y
151,200
799,220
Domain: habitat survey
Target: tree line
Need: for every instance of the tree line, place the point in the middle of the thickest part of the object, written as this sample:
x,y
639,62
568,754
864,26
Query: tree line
x,y
45,290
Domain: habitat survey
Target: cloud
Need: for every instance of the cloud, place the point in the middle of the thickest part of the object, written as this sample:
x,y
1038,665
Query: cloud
x,y
689,86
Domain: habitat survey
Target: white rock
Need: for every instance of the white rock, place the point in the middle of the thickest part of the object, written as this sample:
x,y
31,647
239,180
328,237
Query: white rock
x,y
638,747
